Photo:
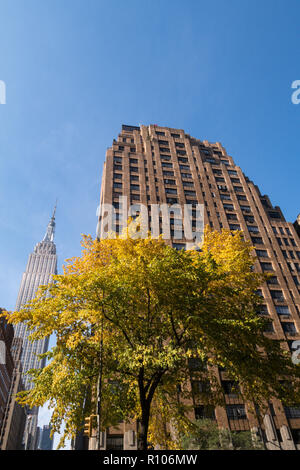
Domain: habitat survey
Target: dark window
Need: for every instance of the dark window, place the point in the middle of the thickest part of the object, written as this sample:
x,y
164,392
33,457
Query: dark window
x,y
175,136
292,412
257,240
289,328
282,309
171,191
253,228
166,165
269,327
277,295
263,310
262,253
165,157
204,412
135,187
273,280
114,442
230,387
241,197
160,133
236,412
228,207
266,267
117,185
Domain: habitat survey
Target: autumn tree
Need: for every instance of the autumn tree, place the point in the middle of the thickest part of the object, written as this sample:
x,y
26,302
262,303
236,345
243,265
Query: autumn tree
x,y
139,312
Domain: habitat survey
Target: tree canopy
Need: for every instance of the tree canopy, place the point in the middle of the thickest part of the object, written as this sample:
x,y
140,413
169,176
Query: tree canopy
x,y
154,310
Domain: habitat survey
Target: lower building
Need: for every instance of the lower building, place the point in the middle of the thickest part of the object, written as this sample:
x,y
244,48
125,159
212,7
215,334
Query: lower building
x,y
13,416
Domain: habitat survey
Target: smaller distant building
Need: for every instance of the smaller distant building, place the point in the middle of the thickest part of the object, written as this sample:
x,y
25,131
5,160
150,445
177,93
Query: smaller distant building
x,y
46,442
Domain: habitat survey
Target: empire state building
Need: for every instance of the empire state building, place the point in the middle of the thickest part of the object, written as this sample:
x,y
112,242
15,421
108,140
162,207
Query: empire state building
x,y
41,266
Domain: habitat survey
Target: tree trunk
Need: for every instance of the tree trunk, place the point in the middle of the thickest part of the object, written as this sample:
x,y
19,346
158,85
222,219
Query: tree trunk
x,y
142,443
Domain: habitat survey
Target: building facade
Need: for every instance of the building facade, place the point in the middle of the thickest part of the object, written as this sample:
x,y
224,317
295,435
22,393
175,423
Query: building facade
x,y
46,442
6,366
159,165
41,266
15,415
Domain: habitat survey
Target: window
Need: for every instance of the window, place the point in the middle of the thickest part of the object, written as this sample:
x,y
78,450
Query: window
x,y
235,180
175,136
249,219
263,310
266,267
252,228
179,246
292,412
160,133
134,169
188,183
277,295
172,200
199,386
225,197
282,309
163,142
135,178
117,185
184,167
118,176
190,193
135,187
230,387
183,160
234,227
204,412
118,167
220,180
231,217
133,161
166,165
289,328
262,253
232,172
164,149
114,442
228,207
238,189
179,145
195,363
274,215
241,197
165,157
257,240
168,173
210,160
171,191
269,327
236,412
225,162
273,280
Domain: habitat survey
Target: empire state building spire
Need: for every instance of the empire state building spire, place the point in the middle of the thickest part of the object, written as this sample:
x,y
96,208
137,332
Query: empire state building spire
x,y
49,235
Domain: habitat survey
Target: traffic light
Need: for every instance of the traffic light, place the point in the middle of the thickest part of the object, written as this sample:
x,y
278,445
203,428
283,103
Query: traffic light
x,y
89,424
87,431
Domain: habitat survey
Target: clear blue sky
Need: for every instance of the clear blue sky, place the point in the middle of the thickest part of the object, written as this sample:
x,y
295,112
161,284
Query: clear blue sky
x,y
75,70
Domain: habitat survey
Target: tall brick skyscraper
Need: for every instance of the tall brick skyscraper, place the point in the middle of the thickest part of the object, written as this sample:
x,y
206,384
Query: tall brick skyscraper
x,y
154,165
